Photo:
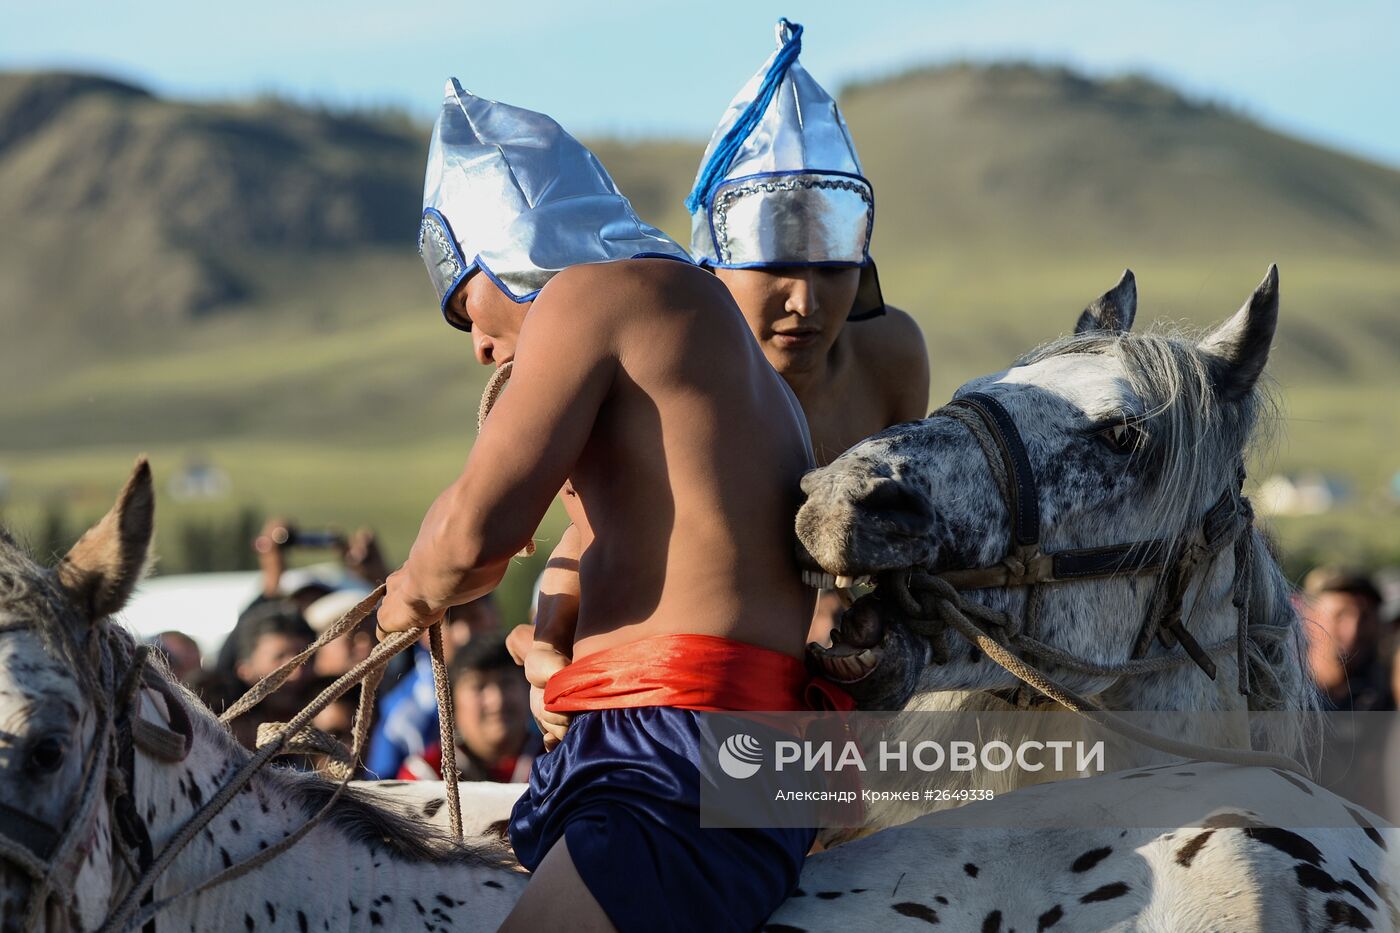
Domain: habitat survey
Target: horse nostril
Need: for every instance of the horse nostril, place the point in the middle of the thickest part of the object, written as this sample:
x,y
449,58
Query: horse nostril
x,y
895,499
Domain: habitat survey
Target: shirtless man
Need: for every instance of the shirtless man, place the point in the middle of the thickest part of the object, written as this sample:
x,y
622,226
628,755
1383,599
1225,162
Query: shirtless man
x,y
783,215
636,380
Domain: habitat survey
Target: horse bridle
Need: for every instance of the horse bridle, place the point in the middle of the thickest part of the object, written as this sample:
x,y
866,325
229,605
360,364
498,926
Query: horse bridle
x,y
1027,565
53,855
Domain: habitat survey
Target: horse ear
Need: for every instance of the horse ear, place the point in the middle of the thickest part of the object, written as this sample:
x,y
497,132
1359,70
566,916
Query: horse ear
x,y
1113,311
1239,348
105,565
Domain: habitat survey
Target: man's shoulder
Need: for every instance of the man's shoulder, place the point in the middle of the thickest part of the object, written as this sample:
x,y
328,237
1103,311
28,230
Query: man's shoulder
x,y
608,304
889,351
623,281
894,336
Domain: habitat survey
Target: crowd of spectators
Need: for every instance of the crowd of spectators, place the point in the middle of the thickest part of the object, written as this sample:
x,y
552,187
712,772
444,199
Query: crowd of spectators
x,y
495,737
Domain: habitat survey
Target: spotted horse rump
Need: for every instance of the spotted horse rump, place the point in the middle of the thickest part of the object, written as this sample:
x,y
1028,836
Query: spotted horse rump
x,y
1233,868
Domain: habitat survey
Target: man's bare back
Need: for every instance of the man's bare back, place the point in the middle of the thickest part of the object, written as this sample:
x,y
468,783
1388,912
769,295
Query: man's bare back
x,y
638,381
689,479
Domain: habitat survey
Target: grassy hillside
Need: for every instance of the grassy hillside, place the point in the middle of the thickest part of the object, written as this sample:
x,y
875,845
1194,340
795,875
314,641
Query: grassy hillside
x,y
237,283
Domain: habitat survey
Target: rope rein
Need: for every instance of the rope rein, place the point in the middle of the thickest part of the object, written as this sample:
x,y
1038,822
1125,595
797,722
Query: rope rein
x,y
494,387
275,740
950,608
489,397
939,604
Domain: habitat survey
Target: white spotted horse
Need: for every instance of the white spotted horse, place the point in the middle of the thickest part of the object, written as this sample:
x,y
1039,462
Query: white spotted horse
x,y
87,808
1081,513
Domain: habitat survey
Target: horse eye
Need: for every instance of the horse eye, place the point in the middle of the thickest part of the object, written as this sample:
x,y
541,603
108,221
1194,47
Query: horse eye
x,y
1122,438
46,755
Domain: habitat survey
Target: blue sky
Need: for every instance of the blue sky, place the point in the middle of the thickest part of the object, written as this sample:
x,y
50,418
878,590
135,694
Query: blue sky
x,y
1325,71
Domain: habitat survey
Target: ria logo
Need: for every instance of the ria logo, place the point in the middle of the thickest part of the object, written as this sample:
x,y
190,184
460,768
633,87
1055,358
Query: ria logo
x,y
740,756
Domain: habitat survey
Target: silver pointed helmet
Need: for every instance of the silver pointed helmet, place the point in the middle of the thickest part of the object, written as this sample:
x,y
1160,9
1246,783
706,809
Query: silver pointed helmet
x,y
509,193
780,183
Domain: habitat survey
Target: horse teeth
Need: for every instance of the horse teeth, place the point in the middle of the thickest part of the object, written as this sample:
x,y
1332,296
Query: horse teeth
x,y
828,581
844,582
812,578
845,668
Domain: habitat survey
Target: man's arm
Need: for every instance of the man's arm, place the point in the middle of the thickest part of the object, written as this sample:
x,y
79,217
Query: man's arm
x,y
272,562
564,369
555,617
548,646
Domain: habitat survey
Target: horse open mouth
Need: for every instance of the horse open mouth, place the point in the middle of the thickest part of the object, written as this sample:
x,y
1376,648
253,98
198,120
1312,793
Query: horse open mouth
x,y
855,651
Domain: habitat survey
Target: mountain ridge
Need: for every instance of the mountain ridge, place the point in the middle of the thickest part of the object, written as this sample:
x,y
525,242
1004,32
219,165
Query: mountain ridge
x,y
171,192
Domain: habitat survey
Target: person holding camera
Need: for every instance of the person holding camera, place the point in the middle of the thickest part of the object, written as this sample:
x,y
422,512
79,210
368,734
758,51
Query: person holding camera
x,y
359,554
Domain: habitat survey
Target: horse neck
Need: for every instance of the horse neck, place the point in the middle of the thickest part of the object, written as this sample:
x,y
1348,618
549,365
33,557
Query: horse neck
x,y
1181,689
328,880
1209,614
1087,620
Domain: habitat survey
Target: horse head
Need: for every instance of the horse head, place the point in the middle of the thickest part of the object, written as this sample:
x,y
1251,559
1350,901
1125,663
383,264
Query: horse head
x,y
58,668
1127,438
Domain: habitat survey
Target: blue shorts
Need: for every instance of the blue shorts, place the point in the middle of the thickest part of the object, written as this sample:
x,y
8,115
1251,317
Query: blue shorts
x,y
623,788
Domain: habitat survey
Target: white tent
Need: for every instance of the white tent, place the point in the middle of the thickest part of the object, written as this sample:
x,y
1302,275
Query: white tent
x,y
205,606
202,605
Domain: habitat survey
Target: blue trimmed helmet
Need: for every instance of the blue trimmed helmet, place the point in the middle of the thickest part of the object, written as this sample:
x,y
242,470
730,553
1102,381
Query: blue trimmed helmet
x,y
780,183
510,193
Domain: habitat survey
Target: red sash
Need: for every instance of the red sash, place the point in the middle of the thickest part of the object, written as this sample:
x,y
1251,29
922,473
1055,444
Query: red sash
x,y
700,672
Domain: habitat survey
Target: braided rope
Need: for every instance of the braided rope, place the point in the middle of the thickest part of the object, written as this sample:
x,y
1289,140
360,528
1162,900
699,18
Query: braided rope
x,y
990,451
494,387
273,681
947,607
489,397
158,742
1005,623
311,741
446,731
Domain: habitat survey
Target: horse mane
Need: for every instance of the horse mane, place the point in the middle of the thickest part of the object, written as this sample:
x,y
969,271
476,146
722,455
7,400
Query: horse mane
x,y
32,598
1280,676
1196,440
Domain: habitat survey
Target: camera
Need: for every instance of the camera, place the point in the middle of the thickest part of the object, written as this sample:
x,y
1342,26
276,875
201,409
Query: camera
x,y
291,537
